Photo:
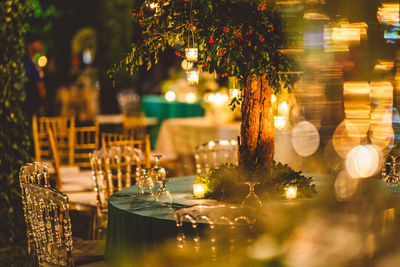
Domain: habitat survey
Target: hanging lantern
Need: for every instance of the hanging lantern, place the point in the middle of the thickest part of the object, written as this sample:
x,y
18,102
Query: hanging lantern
x,y
191,52
193,75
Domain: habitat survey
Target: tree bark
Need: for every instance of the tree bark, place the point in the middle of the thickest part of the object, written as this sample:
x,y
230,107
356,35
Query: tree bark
x,y
257,130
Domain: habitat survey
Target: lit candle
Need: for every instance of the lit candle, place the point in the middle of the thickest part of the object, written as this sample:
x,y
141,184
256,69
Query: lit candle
x,y
191,54
199,190
291,192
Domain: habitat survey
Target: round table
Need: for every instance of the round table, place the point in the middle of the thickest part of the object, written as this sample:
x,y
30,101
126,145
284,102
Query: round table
x,y
156,106
137,223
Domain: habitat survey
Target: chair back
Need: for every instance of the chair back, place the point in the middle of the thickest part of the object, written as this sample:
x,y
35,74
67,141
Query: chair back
x,y
222,221
63,131
31,173
86,139
113,169
134,124
215,153
121,140
49,221
55,157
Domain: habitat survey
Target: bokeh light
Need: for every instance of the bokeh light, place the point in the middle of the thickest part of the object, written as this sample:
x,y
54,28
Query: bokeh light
x,y
363,161
345,186
190,97
170,96
305,138
42,61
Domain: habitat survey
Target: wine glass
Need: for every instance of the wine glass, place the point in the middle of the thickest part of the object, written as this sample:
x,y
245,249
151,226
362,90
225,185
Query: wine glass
x,y
146,184
163,196
252,200
158,172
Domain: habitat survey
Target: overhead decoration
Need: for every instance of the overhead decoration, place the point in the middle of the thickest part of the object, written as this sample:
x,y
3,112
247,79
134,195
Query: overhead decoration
x,y
238,38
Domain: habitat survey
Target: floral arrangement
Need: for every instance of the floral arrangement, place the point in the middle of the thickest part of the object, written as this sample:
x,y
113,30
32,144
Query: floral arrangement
x,y
227,182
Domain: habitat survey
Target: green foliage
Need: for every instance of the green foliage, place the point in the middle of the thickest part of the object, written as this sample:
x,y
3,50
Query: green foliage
x,y
239,38
228,182
14,132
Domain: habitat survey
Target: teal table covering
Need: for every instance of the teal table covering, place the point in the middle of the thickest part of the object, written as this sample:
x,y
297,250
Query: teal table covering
x,y
156,106
137,223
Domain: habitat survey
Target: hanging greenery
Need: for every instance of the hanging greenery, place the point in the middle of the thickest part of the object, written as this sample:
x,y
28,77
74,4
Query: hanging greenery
x,y
14,132
239,38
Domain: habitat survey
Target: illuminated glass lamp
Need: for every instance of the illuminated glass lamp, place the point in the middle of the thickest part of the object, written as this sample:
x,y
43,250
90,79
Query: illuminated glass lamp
x,y
192,54
193,76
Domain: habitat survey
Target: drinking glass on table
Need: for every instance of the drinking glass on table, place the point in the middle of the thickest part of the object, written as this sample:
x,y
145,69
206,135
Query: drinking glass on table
x,y
159,174
145,184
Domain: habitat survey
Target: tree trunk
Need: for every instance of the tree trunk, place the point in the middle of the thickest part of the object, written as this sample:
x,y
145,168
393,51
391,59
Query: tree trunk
x,y
257,130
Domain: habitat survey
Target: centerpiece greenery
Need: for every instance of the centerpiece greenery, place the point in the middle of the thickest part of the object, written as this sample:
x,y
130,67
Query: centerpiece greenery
x,y
241,38
227,182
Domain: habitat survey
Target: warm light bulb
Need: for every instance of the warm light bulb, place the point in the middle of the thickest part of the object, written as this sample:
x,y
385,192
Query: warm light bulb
x,y
42,61
170,96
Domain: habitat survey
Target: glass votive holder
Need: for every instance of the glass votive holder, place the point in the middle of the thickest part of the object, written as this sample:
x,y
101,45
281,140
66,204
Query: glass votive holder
x,y
199,190
192,76
192,54
291,192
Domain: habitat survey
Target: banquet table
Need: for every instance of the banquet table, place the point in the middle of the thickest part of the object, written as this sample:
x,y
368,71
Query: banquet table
x,y
156,106
180,136
137,224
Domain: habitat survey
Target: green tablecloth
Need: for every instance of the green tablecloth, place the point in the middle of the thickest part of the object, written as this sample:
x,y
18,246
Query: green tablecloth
x,y
157,106
136,223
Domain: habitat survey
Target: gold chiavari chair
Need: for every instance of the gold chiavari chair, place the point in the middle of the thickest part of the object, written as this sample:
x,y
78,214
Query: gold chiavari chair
x,y
113,168
50,224
31,173
55,157
134,125
63,131
86,139
112,139
215,153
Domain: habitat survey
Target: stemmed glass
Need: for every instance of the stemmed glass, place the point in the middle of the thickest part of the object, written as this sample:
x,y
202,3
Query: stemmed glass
x,y
252,200
163,196
146,184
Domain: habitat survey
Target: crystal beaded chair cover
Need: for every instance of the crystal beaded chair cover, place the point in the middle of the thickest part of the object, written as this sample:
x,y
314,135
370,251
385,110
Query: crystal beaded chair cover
x,y
214,154
228,216
51,225
114,164
31,173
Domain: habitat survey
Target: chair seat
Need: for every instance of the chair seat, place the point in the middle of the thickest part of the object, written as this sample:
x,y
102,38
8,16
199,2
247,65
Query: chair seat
x,y
77,182
85,198
87,251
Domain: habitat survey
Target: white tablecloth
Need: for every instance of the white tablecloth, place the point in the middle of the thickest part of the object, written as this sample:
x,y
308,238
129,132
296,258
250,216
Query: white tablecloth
x,y
181,136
